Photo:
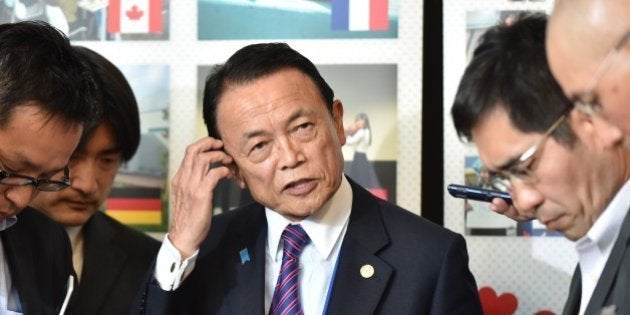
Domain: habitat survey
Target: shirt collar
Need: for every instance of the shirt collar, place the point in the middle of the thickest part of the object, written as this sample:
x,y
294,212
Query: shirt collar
x,y
324,227
7,223
606,228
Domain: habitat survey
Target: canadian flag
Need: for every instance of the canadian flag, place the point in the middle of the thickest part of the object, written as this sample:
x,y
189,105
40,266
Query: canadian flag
x,y
134,16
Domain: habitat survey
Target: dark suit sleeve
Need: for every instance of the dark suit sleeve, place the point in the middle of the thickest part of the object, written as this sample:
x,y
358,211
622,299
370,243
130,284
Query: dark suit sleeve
x,y
456,289
151,298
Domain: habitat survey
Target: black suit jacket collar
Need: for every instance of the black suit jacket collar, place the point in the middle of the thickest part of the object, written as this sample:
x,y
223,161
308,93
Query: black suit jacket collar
x,y
365,237
20,259
247,286
38,255
606,282
102,258
611,270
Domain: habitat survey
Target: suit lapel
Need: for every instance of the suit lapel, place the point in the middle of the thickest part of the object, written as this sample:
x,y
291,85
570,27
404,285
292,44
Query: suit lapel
x,y
611,269
355,291
572,306
246,279
20,261
103,258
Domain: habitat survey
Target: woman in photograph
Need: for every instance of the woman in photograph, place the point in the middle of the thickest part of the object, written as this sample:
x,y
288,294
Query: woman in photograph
x,y
359,138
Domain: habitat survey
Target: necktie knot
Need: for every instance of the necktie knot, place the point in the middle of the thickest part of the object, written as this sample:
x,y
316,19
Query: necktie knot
x,y
294,238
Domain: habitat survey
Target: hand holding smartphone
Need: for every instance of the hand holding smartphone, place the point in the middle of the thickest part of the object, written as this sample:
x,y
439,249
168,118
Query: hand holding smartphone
x,y
474,193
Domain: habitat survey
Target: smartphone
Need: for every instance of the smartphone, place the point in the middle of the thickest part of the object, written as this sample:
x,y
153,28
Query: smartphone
x,y
474,193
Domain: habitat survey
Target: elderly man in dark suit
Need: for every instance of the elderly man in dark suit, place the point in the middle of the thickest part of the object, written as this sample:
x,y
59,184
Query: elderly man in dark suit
x,y
44,106
562,162
314,241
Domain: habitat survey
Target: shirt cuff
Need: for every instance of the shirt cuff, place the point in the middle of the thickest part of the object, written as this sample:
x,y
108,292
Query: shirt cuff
x,y
170,270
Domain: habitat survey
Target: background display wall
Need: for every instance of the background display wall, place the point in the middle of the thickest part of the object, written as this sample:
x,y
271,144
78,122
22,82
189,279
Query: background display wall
x,y
165,49
528,274
184,50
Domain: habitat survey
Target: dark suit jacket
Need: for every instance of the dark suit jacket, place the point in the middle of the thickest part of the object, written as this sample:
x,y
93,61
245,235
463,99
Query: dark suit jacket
x,y
613,287
115,263
40,261
420,268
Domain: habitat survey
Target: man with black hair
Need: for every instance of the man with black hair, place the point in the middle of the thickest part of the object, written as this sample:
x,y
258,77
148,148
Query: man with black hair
x,y
563,165
44,107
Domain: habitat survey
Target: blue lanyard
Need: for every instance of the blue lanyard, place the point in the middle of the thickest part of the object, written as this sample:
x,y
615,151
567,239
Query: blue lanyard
x,y
332,281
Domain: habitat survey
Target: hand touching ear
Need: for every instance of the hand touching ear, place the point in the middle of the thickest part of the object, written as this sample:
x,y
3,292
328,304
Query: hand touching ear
x,y
192,188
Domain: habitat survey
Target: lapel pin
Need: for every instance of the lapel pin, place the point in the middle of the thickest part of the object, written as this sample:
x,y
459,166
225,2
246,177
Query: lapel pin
x,y
367,271
244,253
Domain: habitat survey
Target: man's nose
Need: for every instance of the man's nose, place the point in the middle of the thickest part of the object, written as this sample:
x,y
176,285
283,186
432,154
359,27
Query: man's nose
x,y
21,196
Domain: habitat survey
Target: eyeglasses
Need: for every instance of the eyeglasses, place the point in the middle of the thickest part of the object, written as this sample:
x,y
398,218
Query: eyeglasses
x,y
588,101
42,184
521,168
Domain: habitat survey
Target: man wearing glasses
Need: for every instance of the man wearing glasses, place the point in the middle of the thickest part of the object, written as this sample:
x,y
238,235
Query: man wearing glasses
x,y
588,47
563,164
43,108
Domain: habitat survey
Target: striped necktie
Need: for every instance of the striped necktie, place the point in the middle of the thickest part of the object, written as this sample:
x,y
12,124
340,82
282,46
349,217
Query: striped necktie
x,y
286,298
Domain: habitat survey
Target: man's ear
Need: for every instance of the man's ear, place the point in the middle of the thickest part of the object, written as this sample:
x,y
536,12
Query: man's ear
x,y
240,181
593,127
337,116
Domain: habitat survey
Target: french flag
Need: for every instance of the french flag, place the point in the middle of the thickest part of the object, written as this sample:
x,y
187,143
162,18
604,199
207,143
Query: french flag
x,y
134,16
359,15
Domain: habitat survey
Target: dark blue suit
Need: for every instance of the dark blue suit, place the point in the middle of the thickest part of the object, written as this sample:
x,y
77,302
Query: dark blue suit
x,y
420,267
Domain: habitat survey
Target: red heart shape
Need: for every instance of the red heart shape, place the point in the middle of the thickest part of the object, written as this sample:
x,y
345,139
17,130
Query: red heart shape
x,y
505,304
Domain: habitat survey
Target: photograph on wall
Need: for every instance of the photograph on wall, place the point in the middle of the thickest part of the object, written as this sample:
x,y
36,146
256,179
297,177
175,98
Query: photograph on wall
x,y
95,20
480,220
477,22
297,19
368,94
139,195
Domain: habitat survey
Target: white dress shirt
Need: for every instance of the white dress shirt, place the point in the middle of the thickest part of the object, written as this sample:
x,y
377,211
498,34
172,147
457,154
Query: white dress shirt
x,y
75,234
9,299
595,247
326,229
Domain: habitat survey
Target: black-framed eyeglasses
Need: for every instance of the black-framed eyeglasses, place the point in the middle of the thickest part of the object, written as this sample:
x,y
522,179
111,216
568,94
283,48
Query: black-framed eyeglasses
x,y
521,167
42,184
588,101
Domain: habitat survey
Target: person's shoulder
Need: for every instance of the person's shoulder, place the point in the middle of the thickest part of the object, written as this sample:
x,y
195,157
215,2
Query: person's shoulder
x,y
252,211
409,221
402,223
44,237
32,220
129,235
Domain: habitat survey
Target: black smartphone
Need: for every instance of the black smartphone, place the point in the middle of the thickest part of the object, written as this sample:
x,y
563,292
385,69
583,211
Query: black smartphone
x,y
474,193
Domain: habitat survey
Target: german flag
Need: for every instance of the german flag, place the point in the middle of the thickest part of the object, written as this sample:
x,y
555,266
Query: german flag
x,y
139,206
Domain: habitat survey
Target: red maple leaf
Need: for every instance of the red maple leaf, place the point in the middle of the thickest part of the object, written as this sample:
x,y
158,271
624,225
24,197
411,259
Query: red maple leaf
x,y
134,13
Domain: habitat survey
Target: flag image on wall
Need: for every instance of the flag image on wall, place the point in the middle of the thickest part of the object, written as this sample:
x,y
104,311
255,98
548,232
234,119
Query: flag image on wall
x,y
134,16
135,205
359,15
